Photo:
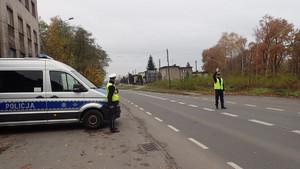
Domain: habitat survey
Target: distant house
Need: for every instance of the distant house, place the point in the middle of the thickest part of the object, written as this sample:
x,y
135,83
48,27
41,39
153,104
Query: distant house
x,y
200,73
139,78
176,72
150,76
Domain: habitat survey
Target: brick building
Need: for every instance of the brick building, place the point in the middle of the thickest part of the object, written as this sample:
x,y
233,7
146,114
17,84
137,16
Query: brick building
x,y
19,30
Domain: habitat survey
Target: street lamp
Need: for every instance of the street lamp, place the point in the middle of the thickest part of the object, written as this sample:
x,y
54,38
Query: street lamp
x,y
71,18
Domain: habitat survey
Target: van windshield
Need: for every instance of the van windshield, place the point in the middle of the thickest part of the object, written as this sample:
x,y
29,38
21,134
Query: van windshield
x,y
86,81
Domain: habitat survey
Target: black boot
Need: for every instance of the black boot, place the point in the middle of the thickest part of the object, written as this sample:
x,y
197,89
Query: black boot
x,y
223,107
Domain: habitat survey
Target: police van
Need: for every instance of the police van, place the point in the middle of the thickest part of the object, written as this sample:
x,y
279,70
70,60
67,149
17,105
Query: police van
x,y
42,91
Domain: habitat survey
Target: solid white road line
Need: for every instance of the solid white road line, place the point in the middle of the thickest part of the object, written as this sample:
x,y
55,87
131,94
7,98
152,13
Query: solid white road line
x,y
250,105
141,108
181,103
148,113
228,114
261,122
198,144
271,108
208,109
233,165
296,131
191,105
158,119
231,102
173,128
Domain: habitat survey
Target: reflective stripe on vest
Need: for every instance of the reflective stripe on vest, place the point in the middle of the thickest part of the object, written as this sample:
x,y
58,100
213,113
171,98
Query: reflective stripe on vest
x,y
219,85
115,96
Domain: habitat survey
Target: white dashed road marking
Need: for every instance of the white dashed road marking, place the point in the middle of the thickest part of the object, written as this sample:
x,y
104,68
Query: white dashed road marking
x,y
250,105
191,105
204,98
233,165
181,103
271,108
261,122
198,144
148,113
296,131
136,105
141,108
231,102
173,128
158,119
172,101
231,115
208,109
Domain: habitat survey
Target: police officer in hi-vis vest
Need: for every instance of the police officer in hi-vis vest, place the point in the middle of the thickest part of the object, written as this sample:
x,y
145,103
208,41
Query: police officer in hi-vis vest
x,y
219,89
112,101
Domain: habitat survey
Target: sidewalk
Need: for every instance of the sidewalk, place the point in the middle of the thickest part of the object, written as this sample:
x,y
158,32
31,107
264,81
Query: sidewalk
x,y
76,148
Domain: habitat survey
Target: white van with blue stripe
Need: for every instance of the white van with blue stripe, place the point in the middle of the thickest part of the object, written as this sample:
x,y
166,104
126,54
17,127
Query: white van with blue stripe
x,y
43,91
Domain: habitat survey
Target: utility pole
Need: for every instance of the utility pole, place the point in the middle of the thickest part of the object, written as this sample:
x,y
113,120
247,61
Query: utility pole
x,y
159,63
168,68
196,65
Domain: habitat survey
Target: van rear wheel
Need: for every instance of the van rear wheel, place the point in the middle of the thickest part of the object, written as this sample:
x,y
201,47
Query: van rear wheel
x,y
92,119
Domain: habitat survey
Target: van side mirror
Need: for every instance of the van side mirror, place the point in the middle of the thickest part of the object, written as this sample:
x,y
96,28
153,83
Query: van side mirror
x,y
79,88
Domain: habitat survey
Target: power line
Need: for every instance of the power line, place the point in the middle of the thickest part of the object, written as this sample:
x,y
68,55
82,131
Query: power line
x,y
136,53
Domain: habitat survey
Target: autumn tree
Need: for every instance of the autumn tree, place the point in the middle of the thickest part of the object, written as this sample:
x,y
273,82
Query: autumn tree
x,y
56,41
294,60
274,37
75,47
233,46
213,58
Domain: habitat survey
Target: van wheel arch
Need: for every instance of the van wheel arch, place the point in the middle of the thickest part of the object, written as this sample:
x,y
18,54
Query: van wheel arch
x,y
92,119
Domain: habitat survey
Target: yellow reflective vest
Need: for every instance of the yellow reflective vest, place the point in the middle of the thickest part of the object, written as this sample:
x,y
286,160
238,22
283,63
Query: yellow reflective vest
x,y
219,85
115,96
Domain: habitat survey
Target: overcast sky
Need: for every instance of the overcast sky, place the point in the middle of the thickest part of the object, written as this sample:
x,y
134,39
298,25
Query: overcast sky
x,y
130,30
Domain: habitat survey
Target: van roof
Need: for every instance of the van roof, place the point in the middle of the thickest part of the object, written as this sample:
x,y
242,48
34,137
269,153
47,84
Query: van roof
x,y
32,63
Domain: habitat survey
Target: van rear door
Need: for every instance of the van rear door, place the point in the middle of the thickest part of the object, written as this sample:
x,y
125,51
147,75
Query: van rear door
x,y
22,97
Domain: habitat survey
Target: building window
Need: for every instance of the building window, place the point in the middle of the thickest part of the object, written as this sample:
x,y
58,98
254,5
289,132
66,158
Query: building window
x,y
27,4
22,42
29,42
10,17
22,55
33,9
20,25
12,53
28,32
35,36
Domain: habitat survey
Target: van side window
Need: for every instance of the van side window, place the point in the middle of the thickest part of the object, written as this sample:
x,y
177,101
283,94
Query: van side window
x,y
61,81
21,81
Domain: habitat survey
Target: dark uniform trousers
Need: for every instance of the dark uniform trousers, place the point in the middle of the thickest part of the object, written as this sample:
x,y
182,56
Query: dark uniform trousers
x,y
219,94
112,115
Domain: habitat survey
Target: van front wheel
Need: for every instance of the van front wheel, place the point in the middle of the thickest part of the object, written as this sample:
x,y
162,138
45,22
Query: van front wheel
x,y
92,119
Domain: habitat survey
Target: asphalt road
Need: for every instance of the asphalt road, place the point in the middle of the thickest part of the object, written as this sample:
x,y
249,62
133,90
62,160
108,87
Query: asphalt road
x,y
70,146
252,133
